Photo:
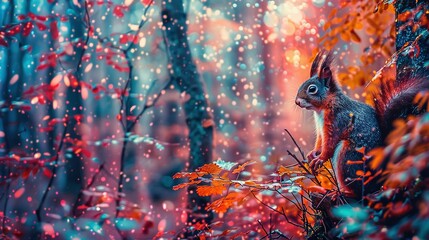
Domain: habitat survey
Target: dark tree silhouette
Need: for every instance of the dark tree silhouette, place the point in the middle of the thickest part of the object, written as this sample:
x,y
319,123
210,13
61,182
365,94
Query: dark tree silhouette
x,y
185,75
74,108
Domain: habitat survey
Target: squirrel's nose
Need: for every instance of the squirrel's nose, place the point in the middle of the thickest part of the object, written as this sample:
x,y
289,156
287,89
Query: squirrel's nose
x,y
298,101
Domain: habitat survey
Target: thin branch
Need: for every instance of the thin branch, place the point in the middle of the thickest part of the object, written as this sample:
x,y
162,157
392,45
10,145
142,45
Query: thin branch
x,y
147,106
290,200
332,176
142,22
263,228
128,127
275,210
296,144
87,20
315,180
51,180
5,204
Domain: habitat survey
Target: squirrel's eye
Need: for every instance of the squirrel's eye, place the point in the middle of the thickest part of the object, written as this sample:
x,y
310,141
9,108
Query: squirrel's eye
x,y
312,89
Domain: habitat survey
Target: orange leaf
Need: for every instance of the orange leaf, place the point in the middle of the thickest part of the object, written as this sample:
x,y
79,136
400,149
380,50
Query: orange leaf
x,y
210,190
377,158
183,185
241,167
200,226
317,189
189,175
359,173
355,37
210,168
221,205
283,170
208,123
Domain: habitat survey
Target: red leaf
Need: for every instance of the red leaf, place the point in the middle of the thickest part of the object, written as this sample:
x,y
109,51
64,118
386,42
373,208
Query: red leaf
x,y
118,12
32,15
73,81
54,30
41,18
47,172
19,192
78,118
27,29
26,173
42,99
86,153
3,42
91,31
42,66
22,17
41,26
123,39
14,30
25,108
147,225
146,2
82,207
97,89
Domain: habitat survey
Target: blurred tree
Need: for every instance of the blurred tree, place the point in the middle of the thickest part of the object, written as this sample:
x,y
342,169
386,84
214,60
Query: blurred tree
x,y
11,118
185,75
73,168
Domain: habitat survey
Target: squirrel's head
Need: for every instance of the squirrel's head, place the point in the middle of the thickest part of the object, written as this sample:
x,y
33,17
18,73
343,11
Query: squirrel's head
x,y
318,89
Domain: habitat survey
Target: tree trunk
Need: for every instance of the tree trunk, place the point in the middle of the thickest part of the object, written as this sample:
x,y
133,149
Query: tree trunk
x,y
73,168
184,73
12,119
412,64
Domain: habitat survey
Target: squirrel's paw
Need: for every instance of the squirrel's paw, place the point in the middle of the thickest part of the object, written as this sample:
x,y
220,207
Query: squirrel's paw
x,y
316,163
313,154
334,195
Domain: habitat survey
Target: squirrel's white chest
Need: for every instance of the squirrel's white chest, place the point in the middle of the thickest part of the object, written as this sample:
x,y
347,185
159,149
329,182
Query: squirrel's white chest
x,y
318,120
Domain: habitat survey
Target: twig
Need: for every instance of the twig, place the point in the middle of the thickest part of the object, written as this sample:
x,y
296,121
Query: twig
x,y
124,146
91,182
87,22
263,228
294,203
5,203
296,144
51,180
129,127
315,180
271,225
275,210
334,177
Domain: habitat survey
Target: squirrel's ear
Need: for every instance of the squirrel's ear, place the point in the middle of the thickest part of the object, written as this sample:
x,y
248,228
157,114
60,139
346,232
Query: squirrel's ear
x,y
325,73
316,63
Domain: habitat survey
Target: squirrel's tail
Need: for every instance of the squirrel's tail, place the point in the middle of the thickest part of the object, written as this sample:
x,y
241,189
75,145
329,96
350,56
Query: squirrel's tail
x,y
396,100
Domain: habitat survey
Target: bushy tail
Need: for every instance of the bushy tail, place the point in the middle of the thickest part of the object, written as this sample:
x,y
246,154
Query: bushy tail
x,y
395,100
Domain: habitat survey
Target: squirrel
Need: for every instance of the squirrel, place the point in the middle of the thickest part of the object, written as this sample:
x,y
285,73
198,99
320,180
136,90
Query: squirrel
x,y
346,129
